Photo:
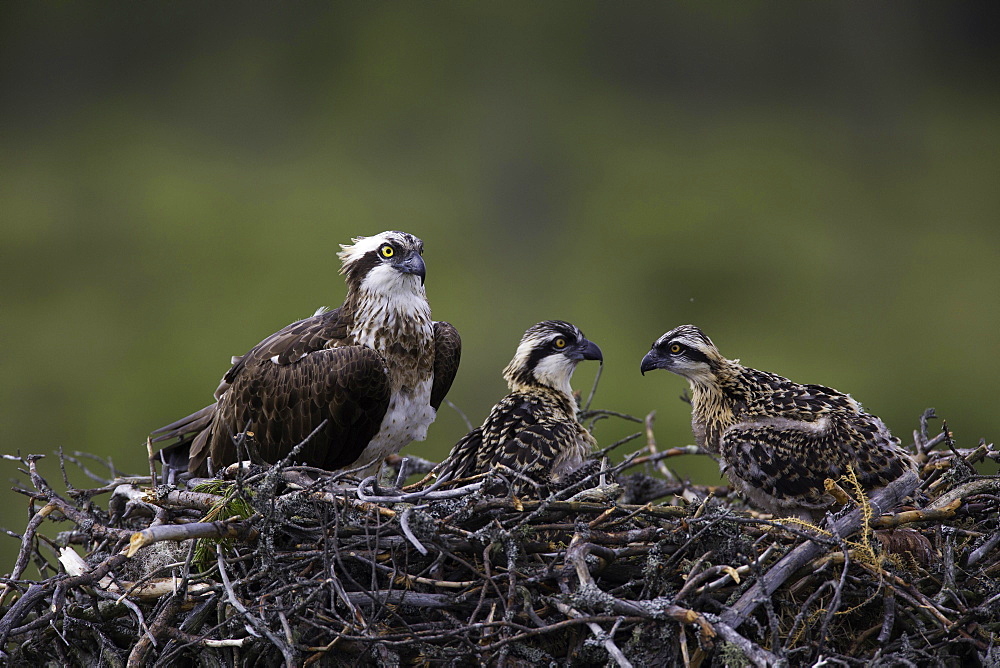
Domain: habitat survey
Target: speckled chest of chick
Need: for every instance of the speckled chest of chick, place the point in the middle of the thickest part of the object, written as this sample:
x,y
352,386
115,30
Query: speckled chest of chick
x,y
777,440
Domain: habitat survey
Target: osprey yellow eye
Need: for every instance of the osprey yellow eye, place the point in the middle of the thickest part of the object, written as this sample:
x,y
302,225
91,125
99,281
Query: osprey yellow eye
x,y
387,251
675,348
559,343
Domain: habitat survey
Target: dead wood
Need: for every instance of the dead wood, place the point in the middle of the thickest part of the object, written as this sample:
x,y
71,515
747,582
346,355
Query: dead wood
x,y
295,566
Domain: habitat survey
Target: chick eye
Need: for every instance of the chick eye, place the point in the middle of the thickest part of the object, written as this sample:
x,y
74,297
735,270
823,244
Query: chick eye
x,y
559,343
387,251
676,348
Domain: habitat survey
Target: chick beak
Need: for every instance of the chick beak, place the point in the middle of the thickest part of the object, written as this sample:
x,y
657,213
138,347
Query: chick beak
x,y
650,361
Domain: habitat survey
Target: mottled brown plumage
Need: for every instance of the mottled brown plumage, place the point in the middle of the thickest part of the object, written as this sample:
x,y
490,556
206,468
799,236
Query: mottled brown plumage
x,y
777,440
375,369
533,430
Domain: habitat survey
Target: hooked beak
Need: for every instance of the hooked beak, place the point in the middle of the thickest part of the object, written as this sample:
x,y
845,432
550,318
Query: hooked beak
x,y
651,361
413,264
586,350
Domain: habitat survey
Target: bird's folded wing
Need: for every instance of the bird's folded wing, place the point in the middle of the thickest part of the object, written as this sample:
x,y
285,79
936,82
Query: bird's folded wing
x,y
462,460
787,463
447,354
291,343
283,403
188,424
533,450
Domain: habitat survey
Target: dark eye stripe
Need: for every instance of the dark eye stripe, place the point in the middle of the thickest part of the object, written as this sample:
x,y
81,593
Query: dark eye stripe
x,y
695,355
687,352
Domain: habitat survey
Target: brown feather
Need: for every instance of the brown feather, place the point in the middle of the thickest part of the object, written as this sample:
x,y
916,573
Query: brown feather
x,y
348,367
533,430
281,404
447,355
778,440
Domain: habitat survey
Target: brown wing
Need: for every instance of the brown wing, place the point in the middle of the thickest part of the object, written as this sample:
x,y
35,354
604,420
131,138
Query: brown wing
x,y
517,434
187,430
790,464
447,353
482,447
461,461
287,345
281,404
520,433
533,449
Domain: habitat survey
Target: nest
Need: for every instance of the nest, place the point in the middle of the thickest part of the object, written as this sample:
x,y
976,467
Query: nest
x,y
293,566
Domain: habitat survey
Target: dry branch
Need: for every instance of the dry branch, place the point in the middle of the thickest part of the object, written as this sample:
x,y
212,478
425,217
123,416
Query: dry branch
x,y
294,566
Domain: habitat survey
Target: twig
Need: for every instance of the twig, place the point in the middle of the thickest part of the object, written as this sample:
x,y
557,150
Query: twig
x,y
137,656
977,486
595,628
27,541
593,388
431,493
468,423
883,499
257,624
976,555
404,524
179,532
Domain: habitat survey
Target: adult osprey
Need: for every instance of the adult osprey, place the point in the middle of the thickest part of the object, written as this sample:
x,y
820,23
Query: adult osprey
x,y
777,440
376,369
534,429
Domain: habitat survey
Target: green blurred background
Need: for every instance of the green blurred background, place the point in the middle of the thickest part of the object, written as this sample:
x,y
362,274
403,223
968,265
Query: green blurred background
x,y
817,185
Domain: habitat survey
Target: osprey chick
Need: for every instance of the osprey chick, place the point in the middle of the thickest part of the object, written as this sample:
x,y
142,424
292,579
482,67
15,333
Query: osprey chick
x,y
777,440
376,369
534,429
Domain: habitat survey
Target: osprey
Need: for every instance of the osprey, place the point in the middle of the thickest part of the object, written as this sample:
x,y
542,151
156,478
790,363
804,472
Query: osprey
x,y
376,369
534,429
777,440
